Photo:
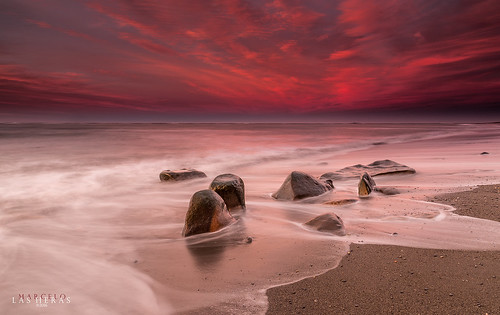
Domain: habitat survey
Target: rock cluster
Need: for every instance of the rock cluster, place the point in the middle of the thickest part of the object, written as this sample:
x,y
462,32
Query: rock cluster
x,y
209,209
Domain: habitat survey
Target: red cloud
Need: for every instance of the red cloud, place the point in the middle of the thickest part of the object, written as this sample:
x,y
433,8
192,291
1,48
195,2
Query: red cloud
x,y
254,56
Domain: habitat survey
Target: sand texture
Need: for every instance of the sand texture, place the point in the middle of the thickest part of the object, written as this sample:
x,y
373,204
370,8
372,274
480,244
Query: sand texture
x,y
375,279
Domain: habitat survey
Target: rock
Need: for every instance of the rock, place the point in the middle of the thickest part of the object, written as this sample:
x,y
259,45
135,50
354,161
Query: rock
x,y
328,222
299,185
231,188
484,153
207,213
366,185
377,168
184,174
387,190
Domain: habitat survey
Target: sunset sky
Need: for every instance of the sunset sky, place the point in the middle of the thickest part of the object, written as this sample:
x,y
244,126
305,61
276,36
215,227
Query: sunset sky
x,y
249,60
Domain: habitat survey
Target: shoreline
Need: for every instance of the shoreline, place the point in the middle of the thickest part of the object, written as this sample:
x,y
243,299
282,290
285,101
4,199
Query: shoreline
x,y
377,279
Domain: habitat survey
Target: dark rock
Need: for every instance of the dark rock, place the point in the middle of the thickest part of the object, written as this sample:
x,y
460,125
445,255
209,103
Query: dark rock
x,y
179,175
207,213
484,153
231,188
328,222
387,190
299,185
377,168
366,185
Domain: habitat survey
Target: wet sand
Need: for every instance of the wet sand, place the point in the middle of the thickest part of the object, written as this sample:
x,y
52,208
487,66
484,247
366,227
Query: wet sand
x,y
379,279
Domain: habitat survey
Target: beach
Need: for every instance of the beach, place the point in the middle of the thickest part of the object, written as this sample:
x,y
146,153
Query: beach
x,y
84,216
381,279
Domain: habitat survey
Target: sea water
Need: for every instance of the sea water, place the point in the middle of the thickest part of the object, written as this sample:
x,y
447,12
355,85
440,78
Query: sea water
x,y
86,227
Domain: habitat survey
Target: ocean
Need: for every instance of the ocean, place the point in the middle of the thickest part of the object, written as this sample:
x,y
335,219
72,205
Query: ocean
x,y
86,222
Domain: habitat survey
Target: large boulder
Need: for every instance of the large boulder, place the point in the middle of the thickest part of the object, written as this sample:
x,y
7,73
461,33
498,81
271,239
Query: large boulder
x,y
179,175
299,185
328,222
207,213
366,185
231,188
377,168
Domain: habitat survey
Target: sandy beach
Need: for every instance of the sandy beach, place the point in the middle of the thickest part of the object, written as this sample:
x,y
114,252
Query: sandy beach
x,y
380,279
115,234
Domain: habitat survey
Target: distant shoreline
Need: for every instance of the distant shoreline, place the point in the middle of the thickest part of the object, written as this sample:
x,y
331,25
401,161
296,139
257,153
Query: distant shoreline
x,y
250,123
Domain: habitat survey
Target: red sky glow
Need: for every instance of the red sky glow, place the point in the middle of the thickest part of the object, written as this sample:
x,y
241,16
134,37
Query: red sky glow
x,y
165,60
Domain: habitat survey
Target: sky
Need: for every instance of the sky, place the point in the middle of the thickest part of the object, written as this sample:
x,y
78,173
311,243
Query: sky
x,y
249,60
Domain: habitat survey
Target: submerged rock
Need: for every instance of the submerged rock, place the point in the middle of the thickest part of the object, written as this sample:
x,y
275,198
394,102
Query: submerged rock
x,y
231,188
207,213
179,175
299,185
385,167
387,190
366,185
377,168
328,222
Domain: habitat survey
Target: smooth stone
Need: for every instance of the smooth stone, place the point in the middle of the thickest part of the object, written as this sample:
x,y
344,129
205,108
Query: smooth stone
x,y
231,188
179,175
366,185
299,185
328,222
207,213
